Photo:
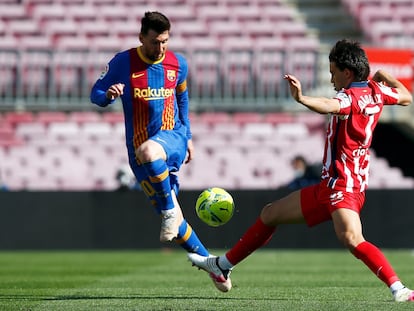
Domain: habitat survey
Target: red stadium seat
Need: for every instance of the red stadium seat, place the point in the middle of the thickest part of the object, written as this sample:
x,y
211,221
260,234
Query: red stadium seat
x,y
16,117
81,117
47,117
214,117
113,117
243,118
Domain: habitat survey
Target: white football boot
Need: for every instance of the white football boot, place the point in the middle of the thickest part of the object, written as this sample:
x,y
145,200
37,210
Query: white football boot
x,y
220,277
404,294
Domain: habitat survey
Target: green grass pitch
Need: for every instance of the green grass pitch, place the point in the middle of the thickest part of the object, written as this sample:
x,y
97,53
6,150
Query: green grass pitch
x,y
270,279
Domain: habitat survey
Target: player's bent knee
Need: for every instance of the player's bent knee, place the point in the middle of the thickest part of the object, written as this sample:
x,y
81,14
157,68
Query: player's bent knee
x,y
268,214
349,239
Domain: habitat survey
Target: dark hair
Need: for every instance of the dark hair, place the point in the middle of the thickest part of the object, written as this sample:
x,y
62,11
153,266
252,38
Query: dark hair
x,y
348,54
155,21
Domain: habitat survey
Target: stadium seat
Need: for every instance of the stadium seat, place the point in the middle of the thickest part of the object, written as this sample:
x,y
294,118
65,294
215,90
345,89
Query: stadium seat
x,y
112,12
292,130
23,27
276,13
62,130
237,74
214,117
35,75
278,117
229,131
213,13
81,12
47,117
205,44
106,43
29,130
193,29
73,43
94,129
9,42
36,43
245,13
256,29
82,117
113,117
125,28
16,117
177,12
44,12
91,28
258,130
204,74
225,29
380,31
11,11
58,28
244,118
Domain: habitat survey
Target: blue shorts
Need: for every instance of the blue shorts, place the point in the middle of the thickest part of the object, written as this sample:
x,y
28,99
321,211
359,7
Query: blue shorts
x,y
174,143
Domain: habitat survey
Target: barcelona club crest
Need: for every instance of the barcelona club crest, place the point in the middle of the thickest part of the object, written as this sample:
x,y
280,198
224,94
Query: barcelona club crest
x,y
171,75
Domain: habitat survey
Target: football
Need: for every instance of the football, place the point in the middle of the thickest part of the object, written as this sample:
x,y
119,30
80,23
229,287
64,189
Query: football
x,y
215,206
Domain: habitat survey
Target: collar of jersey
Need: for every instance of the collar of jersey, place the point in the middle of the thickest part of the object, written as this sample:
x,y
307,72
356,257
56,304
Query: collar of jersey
x,y
358,84
147,60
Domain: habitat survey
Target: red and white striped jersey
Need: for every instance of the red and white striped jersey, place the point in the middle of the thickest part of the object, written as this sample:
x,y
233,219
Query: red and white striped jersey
x,y
349,134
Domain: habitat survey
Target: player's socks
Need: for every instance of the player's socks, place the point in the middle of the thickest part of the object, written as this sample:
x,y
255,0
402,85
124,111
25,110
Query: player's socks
x,y
158,175
375,260
188,239
256,236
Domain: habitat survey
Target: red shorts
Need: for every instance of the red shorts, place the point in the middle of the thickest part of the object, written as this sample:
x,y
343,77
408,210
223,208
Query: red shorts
x,y
319,201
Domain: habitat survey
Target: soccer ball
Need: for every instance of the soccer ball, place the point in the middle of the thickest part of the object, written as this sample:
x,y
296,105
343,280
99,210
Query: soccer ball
x,y
215,206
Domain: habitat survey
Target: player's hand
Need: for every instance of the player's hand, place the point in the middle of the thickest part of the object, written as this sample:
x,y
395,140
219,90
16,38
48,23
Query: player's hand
x,y
190,151
115,91
295,86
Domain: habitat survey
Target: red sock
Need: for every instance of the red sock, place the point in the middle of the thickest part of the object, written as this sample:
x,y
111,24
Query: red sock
x,y
256,236
376,262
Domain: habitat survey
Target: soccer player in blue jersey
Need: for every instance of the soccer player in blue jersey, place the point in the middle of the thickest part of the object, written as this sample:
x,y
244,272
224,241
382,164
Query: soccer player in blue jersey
x,y
151,82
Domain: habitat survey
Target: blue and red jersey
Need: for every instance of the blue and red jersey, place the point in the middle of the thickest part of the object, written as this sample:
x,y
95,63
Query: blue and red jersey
x,y
155,94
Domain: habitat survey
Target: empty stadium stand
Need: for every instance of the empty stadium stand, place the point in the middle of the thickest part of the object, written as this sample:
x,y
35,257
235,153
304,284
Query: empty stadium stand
x,y
82,151
60,47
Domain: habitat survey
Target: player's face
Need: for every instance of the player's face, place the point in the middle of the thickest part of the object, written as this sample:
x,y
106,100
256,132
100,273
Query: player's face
x,y
154,45
339,78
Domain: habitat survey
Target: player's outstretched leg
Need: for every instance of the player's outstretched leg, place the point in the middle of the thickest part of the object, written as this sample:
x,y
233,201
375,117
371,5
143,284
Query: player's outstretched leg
x,y
404,294
220,277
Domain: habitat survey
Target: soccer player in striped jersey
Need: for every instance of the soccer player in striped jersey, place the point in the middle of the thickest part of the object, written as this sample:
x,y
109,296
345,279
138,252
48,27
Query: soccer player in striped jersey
x,y
152,84
340,195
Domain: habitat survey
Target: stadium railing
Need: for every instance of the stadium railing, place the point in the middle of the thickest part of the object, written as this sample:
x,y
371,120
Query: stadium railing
x,y
218,80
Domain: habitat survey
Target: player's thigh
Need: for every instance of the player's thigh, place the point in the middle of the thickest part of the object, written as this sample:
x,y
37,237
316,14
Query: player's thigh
x,y
283,211
174,144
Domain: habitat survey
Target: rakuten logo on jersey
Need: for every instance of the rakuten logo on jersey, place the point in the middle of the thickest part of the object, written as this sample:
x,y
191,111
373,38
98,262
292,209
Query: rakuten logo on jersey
x,y
152,94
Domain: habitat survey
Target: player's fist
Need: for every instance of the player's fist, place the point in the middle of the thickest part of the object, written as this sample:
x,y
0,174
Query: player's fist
x,y
115,90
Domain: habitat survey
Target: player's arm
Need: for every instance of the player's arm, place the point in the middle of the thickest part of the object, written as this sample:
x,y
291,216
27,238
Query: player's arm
x,y
183,103
108,87
404,96
321,105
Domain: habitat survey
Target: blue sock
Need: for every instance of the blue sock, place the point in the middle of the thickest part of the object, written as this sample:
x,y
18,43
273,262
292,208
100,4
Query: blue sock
x,y
159,177
188,239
